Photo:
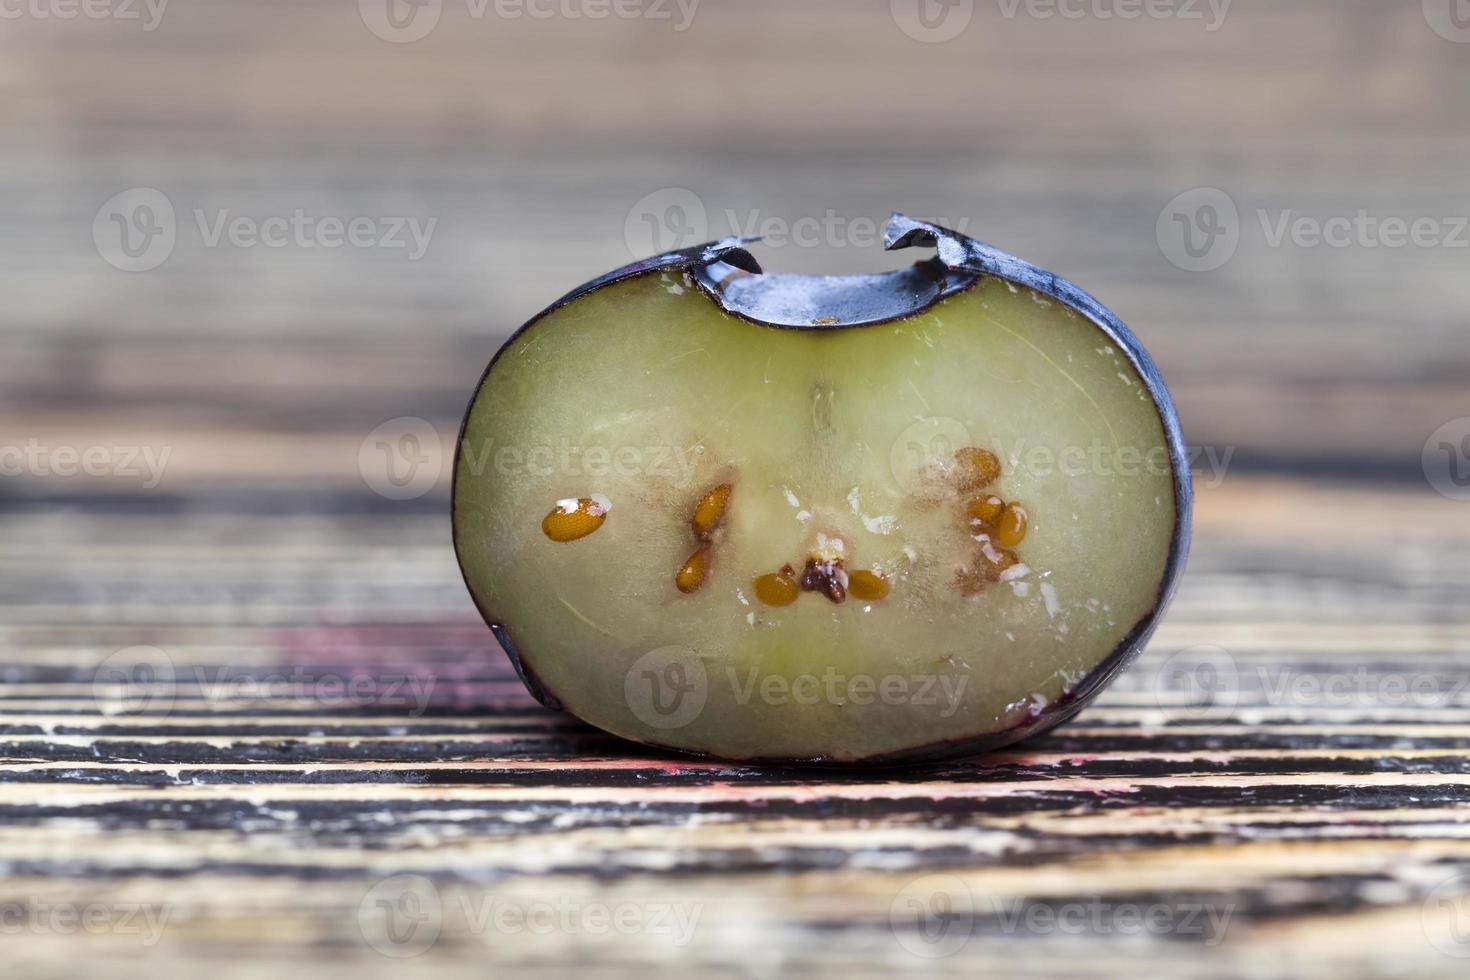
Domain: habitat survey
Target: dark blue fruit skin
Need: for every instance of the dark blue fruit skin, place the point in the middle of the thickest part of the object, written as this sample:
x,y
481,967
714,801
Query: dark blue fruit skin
x,y
882,298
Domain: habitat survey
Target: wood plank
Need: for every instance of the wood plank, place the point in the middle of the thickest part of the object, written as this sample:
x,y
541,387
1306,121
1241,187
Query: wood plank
x,y
250,806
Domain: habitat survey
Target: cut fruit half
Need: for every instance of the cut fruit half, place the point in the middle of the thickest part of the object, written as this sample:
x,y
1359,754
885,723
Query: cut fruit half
x,y
830,519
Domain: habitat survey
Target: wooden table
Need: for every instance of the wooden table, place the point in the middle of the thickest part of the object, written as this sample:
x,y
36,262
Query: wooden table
x,y
250,725
329,726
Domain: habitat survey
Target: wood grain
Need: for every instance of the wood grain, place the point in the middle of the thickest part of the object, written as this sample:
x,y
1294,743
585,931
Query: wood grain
x,y
310,744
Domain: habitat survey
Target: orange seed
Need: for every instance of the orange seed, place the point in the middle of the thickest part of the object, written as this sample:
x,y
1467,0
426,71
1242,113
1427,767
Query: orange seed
x,y
975,468
710,511
867,585
692,573
1011,527
985,509
777,588
575,517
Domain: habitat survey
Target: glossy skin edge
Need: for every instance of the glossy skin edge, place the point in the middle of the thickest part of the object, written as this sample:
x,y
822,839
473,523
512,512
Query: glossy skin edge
x,y
960,254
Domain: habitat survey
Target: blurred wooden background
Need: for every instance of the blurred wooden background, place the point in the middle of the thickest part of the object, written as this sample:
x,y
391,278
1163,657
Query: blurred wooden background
x,y
535,145
529,141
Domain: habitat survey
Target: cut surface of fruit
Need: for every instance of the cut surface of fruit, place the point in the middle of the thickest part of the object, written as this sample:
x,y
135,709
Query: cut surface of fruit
x,y
837,543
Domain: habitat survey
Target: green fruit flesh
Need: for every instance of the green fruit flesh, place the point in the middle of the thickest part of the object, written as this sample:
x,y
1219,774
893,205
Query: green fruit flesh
x,y
838,445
